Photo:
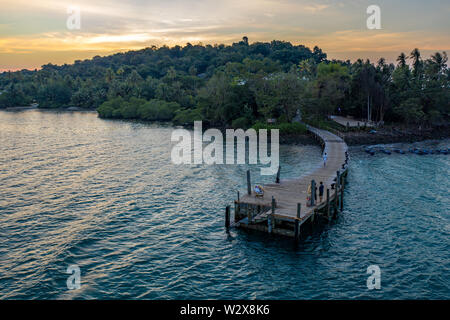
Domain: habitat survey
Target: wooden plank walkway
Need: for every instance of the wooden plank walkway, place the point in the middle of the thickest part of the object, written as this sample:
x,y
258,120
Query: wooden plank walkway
x,y
288,193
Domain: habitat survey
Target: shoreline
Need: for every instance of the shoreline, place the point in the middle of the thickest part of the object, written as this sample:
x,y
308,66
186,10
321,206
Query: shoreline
x,y
366,138
352,138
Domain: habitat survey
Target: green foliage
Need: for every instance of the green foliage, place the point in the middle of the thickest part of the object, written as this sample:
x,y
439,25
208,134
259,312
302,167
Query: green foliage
x,y
158,110
136,108
54,94
187,117
240,123
239,85
14,96
410,110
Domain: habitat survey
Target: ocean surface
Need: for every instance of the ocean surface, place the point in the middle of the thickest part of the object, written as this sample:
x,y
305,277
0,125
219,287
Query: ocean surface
x,y
104,195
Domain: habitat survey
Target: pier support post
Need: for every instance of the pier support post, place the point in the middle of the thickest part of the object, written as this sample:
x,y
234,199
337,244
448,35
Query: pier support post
x,y
227,217
270,218
237,209
278,175
338,179
249,212
313,193
297,223
328,204
249,185
336,195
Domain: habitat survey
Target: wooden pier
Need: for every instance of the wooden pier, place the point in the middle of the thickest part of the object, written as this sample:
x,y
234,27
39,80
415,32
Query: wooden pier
x,y
284,208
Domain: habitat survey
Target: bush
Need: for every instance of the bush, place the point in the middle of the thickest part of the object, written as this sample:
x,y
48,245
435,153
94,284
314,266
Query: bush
x,y
187,117
240,123
158,110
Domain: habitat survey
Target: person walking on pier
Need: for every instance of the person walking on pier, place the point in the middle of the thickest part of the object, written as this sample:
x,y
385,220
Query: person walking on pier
x,y
321,188
325,157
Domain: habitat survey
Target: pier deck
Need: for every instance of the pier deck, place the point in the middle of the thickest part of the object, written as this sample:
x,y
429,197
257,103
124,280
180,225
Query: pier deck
x,y
289,192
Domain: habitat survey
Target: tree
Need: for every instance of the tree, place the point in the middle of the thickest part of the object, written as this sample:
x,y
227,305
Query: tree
x,y
401,59
410,110
331,86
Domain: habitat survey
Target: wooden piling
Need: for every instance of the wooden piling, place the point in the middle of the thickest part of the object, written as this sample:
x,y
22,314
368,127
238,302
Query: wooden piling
x,y
249,185
342,198
297,223
338,179
227,217
336,195
278,175
328,204
270,218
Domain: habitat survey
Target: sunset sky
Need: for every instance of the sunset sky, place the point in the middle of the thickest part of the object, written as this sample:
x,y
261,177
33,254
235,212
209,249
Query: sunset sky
x,y
33,33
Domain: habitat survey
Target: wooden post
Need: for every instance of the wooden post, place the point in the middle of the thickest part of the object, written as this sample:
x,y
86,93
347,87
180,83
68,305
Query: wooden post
x,y
297,223
336,195
342,192
328,204
278,175
227,217
249,185
338,179
249,212
270,218
237,209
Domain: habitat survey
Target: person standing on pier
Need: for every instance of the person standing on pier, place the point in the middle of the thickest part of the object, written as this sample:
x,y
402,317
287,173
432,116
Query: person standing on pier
x,y
325,157
321,188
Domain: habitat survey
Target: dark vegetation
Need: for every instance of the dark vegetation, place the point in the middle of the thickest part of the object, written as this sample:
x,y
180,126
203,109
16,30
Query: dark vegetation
x,y
241,85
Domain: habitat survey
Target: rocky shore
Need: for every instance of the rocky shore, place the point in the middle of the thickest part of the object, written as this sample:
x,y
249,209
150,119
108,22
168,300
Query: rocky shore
x,y
378,136
394,135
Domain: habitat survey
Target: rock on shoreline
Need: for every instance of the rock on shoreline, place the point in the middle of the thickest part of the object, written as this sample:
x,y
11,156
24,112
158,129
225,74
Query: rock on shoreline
x,y
382,136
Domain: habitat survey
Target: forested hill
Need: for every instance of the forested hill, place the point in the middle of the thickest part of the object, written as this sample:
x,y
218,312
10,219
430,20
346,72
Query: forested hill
x,y
239,84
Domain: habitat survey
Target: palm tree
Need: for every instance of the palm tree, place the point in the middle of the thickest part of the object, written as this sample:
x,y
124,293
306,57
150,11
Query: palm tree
x,y
401,60
440,60
415,55
381,63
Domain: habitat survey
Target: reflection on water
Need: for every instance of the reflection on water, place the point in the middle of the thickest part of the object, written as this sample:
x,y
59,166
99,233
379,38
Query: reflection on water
x,y
104,195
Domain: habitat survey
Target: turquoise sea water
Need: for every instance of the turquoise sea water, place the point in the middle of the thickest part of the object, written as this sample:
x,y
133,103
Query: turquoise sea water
x,y
104,195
